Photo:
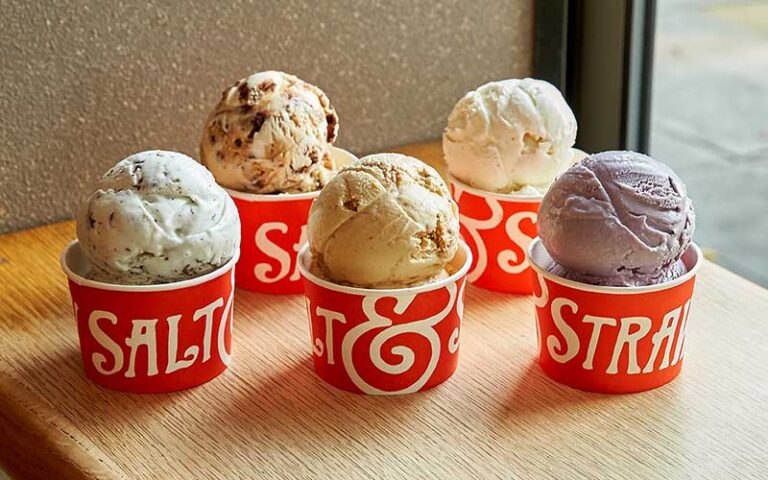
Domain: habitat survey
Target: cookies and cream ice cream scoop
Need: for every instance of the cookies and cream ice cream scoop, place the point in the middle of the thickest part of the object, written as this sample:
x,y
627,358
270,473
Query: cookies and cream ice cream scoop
x,y
271,133
617,219
385,221
511,136
157,217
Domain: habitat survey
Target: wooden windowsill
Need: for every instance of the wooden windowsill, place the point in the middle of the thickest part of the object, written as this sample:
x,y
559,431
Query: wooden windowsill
x,y
269,415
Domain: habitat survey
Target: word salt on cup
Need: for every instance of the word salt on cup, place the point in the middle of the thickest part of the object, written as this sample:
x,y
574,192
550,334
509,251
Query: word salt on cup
x,y
611,339
152,338
386,342
498,228
273,227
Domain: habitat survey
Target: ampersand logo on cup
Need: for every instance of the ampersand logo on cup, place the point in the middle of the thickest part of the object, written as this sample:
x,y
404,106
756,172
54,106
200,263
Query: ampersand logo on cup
x,y
386,344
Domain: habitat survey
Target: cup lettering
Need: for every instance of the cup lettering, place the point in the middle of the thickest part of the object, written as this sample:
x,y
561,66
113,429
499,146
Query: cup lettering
x,y
633,331
264,271
378,347
143,341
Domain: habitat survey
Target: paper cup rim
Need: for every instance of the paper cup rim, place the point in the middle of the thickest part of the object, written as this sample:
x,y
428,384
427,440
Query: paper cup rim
x,y
536,245
507,197
161,287
271,197
305,258
281,197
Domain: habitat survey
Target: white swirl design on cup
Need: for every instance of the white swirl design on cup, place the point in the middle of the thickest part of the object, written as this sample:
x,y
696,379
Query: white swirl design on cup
x,y
453,341
262,270
424,328
509,260
474,225
296,275
541,299
227,323
266,272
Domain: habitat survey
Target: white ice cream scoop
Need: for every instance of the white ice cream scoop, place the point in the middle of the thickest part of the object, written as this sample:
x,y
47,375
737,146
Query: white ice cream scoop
x,y
510,135
157,217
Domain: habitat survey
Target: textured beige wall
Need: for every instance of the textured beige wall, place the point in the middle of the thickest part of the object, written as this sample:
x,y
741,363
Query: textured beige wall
x,y
87,83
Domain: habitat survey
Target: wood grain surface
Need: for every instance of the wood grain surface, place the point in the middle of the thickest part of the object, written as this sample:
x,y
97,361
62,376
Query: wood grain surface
x,y
269,416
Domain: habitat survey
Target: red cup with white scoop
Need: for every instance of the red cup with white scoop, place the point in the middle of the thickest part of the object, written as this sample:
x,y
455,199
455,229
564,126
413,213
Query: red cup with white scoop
x,y
384,275
504,144
152,275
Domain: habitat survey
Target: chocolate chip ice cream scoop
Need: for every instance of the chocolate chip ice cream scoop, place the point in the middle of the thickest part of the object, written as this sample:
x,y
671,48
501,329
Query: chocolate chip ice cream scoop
x,y
271,133
157,217
617,219
385,221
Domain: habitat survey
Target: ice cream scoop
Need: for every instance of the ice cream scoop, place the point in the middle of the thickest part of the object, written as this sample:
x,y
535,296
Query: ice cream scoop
x,y
271,133
157,217
385,221
511,136
617,219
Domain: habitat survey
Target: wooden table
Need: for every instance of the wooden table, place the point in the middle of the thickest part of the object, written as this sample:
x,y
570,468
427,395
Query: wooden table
x,y
270,416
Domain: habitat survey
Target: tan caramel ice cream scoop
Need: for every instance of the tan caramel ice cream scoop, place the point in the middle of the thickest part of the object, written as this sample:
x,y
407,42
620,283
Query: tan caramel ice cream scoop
x,y
385,221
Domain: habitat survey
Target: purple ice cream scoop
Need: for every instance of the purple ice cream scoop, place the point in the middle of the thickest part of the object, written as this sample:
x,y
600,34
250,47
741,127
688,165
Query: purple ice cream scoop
x,y
617,219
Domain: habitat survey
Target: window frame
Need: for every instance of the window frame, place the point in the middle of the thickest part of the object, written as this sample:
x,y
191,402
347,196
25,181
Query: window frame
x,y
599,53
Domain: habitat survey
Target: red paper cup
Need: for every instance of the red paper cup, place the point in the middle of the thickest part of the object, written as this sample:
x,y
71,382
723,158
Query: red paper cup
x,y
386,342
611,339
273,227
152,338
498,229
